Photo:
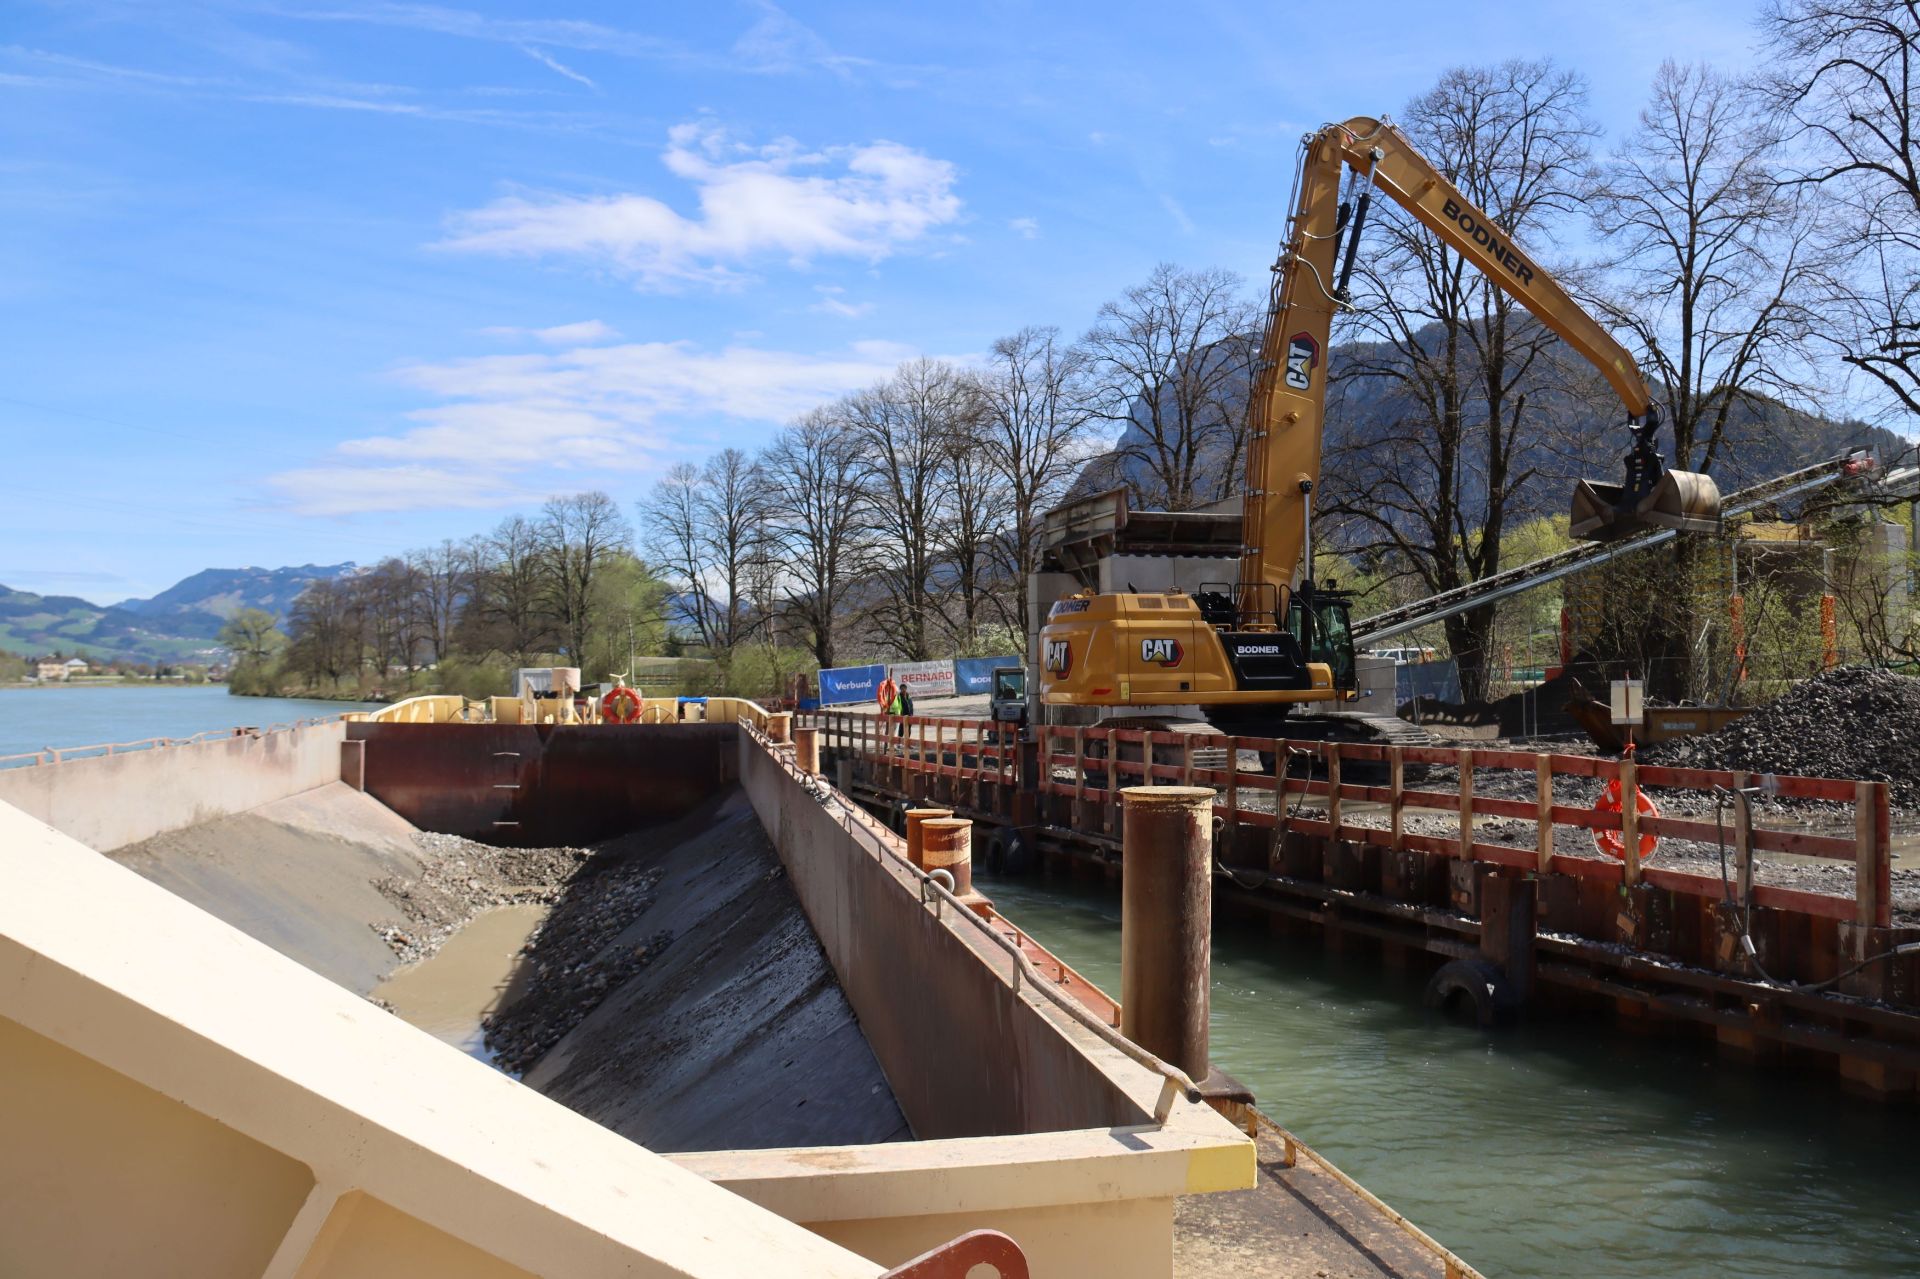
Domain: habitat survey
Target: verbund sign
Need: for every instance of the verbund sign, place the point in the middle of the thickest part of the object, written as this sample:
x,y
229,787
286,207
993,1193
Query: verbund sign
x,y
843,684
925,679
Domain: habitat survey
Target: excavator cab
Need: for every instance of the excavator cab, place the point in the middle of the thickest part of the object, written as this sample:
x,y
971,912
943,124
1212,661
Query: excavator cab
x,y
1330,639
1651,497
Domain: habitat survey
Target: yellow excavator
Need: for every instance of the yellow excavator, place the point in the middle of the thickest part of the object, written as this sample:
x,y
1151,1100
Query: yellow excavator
x,y
1239,657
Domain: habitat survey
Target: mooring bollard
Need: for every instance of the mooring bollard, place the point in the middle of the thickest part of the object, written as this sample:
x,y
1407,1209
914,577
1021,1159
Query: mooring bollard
x,y
777,725
1166,922
946,843
916,823
806,748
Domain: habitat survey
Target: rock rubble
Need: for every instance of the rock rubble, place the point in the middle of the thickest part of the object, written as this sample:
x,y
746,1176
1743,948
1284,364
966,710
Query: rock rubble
x,y
459,879
579,956
1856,723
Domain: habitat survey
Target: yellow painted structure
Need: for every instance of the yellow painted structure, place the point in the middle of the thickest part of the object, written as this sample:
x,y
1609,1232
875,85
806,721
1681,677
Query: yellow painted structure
x,y
179,1099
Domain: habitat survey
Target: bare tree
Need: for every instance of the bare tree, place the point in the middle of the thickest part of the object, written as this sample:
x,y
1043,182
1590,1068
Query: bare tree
x,y
578,536
905,428
1844,81
1708,258
387,594
441,577
1171,363
1711,269
1435,488
976,518
814,479
510,591
1034,433
704,528
323,631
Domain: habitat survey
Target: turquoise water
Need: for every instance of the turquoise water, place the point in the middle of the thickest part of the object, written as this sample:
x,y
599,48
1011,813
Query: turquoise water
x,y
32,719
1554,1148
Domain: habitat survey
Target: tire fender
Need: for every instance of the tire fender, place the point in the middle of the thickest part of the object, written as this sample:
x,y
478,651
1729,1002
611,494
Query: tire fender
x,y
1476,988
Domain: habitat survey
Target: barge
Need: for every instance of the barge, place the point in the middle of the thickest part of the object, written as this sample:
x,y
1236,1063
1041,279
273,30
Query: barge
x,y
200,1087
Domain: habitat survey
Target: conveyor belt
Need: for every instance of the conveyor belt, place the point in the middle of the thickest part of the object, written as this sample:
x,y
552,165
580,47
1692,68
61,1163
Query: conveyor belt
x,y
1524,577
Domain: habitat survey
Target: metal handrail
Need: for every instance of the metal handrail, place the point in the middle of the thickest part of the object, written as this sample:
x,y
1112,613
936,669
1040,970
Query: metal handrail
x,y
57,754
1175,1082
1455,1267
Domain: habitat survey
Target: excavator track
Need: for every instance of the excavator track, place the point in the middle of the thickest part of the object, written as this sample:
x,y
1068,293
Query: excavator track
x,y
1322,726
1355,726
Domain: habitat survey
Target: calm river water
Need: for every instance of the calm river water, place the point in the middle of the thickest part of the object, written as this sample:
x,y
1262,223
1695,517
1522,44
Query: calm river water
x,y
1550,1149
34,718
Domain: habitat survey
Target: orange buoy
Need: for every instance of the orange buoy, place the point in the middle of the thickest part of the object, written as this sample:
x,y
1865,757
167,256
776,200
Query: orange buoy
x,y
1613,843
621,705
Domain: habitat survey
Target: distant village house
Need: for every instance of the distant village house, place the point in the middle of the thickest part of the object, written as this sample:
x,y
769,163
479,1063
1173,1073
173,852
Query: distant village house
x,y
54,671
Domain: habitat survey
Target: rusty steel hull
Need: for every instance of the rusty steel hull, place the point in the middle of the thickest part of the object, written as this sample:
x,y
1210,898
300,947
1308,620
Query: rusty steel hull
x,y
538,785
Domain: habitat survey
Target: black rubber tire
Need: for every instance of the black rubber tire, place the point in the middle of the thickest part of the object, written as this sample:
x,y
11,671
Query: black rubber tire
x,y
1020,857
995,860
1475,989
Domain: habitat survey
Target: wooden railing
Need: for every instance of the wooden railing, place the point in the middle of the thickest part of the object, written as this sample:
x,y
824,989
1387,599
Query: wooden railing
x,y
1090,766
975,750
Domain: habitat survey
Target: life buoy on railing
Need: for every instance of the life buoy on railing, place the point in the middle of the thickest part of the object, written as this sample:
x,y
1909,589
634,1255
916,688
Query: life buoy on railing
x,y
621,705
1613,843
885,694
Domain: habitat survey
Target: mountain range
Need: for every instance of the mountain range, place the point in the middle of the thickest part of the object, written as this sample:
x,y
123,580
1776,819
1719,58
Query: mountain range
x,y
181,623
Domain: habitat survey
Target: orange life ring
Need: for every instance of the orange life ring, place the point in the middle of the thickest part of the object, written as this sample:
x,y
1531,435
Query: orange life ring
x,y
1613,843
885,694
621,706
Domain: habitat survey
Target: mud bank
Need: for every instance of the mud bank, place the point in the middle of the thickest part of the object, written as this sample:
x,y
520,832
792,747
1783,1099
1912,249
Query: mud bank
x,y
665,983
728,1029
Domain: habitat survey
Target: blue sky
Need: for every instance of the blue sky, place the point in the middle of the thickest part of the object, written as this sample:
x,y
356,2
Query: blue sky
x,y
314,280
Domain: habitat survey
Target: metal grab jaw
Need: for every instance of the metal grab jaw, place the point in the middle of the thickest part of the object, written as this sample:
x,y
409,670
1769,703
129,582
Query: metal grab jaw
x,y
1652,497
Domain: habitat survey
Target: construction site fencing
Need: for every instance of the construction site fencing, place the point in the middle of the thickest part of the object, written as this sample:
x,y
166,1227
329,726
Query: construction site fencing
x,y
1090,766
969,751
1364,794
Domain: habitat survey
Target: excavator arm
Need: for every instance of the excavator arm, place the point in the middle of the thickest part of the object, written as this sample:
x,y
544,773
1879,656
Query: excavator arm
x,y
1287,413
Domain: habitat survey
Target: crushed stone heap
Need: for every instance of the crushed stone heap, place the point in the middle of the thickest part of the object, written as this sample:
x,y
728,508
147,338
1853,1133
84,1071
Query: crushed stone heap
x,y
1855,722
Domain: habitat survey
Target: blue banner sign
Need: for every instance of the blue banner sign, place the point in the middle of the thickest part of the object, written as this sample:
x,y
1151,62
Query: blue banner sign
x,y
975,674
844,684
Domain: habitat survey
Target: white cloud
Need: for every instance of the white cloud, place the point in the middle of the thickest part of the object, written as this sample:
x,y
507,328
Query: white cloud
x,y
832,302
778,42
586,332
554,64
505,426
353,490
1029,228
1178,213
778,200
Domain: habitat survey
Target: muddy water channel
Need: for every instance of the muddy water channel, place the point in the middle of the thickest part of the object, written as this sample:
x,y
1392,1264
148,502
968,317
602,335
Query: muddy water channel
x,y
476,971
1554,1148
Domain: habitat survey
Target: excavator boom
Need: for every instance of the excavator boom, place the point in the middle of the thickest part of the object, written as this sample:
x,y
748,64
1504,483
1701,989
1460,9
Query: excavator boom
x,y
1287,413
1247,651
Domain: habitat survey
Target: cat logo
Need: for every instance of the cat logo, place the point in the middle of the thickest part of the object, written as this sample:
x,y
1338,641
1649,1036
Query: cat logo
x,y
1302,354
1166,652
1058,657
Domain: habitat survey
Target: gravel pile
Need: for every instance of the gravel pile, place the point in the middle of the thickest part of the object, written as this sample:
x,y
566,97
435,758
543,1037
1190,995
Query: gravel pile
x,y
461,878
1855,722
578,958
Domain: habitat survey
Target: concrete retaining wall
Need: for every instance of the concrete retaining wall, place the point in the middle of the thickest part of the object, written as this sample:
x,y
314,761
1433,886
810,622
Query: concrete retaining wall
x,y
110,801
967,1055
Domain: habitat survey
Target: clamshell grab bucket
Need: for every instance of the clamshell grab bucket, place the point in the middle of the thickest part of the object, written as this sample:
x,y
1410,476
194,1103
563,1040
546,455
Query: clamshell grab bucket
x,y
1684,500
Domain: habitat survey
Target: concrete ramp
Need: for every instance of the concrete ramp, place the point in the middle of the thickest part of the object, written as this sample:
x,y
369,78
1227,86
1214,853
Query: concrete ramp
x,y
296,874
739,1030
